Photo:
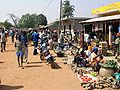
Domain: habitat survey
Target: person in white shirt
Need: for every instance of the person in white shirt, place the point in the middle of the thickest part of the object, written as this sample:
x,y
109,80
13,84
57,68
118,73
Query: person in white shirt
x,y
86,38
88,52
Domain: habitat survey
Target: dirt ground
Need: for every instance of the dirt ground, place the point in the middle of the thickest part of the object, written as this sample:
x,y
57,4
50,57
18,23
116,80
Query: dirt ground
x,y
35,76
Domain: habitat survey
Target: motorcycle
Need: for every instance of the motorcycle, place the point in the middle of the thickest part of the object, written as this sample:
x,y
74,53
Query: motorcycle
x,y
45,54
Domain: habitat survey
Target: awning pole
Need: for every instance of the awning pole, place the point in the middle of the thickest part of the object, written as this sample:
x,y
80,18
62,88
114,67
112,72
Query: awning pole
x,y
105,31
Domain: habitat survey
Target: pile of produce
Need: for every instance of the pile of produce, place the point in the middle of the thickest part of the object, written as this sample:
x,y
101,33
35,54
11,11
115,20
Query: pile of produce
x,y
106,82
110,64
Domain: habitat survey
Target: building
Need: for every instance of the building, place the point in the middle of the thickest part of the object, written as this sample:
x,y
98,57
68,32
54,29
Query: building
x,y
70,24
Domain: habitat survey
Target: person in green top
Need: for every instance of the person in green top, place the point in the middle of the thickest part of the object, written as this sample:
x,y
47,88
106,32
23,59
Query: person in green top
x,y
117,43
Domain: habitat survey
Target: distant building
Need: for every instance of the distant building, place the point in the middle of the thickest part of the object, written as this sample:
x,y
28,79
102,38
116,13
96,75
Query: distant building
x,y
70,24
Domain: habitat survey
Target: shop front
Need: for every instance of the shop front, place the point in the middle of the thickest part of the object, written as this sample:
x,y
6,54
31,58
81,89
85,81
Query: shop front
x,y
107,21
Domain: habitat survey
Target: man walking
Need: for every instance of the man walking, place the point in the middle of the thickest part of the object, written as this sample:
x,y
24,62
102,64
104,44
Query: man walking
x,y
3,40
35,37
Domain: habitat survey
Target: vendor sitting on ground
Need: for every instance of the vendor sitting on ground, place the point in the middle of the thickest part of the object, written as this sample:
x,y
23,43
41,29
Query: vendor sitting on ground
x,y
95,59
88,52
80,60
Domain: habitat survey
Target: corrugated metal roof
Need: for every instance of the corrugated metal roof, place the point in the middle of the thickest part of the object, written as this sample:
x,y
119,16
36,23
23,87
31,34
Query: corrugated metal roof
x,y
107,18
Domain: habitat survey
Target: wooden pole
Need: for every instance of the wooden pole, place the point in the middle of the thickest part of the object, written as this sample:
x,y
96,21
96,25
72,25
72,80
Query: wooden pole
x,y
60,16
105,31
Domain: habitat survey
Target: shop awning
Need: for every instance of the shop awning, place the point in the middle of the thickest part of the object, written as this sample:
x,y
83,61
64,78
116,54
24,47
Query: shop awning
x,y
107,18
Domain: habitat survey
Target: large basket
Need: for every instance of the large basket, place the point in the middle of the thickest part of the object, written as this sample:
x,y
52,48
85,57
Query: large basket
x,y
106,71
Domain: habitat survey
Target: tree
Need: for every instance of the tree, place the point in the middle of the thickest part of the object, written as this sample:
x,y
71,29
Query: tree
x,y
26,21
1,24
56,23
41,20
67,9
14,18
7,25
32,21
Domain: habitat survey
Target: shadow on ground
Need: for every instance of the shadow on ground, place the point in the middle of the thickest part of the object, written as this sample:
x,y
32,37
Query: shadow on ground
x,y
56,66
30,66
33,62
10,50
7,87
1,62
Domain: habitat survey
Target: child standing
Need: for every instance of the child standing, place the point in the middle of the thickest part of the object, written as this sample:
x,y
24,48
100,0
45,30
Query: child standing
x,y
19,53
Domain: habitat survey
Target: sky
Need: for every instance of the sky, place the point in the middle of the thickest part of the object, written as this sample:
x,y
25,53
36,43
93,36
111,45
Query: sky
x,y
21,7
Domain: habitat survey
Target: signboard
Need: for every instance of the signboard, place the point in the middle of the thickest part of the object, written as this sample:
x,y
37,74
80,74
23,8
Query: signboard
x,y
113,6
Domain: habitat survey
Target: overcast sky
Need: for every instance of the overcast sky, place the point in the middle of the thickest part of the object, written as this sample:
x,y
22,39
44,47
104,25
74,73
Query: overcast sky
x,y
20,7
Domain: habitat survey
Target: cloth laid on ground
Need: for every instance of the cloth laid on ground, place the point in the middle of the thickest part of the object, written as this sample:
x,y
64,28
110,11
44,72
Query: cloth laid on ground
x,y
85,78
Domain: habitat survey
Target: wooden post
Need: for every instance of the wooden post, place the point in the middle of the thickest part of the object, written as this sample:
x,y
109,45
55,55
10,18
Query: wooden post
x,y
105,31
60,17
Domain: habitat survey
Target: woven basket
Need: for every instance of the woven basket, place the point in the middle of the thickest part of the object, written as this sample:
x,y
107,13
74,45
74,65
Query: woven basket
x,y
106,71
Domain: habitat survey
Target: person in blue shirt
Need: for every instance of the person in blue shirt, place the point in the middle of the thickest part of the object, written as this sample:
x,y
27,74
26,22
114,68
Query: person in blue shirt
x,y
24,41
35,37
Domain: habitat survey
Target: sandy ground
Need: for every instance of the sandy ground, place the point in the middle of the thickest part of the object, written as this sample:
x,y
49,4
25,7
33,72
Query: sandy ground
x,y
35,76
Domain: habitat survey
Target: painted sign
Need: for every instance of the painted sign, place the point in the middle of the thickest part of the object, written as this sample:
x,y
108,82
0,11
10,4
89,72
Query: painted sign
x,y
113,6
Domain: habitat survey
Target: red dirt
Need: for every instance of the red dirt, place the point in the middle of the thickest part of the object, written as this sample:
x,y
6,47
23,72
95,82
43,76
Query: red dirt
x,y
35,76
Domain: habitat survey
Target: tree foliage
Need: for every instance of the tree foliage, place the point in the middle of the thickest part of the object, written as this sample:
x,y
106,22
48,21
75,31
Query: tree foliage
x,y
56,24
32,20
67,9
6,24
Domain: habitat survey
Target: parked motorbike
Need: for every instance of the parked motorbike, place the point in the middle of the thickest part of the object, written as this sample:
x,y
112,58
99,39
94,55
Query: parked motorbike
x,y
45,53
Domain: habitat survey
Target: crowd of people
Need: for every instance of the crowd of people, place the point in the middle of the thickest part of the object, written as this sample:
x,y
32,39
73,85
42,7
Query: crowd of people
x,y
23,37
87,55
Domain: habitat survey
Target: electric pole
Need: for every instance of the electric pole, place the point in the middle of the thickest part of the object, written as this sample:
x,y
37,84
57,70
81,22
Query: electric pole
x,y
60,16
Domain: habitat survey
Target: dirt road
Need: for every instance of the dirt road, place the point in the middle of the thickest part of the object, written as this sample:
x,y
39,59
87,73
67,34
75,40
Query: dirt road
x,y
35,76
